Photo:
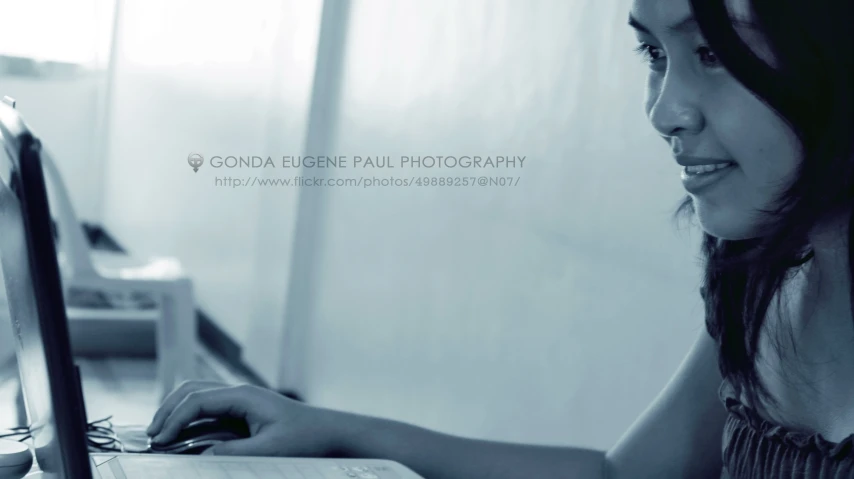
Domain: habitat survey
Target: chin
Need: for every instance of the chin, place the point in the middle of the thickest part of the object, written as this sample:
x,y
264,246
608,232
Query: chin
x,y
726,225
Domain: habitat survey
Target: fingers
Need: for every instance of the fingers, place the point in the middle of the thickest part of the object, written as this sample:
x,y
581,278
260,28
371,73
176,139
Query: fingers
x,y
251,446
224,401
173,399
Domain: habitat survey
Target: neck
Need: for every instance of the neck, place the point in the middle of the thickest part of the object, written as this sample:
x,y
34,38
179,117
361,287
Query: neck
x,y
825,331
827,279
829,241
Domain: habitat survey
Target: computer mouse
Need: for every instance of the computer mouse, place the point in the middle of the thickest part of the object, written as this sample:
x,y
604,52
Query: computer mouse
x,y
16,460
202,434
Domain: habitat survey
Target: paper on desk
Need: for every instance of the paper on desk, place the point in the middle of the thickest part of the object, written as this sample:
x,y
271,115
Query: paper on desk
x,y
94,299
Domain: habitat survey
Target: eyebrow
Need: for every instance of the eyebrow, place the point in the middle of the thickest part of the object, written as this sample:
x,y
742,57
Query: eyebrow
x,y
686,25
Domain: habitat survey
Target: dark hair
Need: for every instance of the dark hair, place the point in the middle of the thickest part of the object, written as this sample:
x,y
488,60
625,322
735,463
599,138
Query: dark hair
x,y
810,87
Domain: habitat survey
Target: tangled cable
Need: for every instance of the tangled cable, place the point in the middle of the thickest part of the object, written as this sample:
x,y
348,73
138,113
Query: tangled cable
x,y
99,435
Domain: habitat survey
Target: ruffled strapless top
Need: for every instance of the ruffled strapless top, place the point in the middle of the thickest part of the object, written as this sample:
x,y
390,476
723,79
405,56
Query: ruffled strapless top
x,y
755,448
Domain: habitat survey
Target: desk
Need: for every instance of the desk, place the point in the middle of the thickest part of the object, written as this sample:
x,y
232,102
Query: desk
x,y
133,438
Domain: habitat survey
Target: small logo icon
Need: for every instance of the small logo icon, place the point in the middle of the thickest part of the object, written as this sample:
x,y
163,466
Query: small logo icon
x,y
195,160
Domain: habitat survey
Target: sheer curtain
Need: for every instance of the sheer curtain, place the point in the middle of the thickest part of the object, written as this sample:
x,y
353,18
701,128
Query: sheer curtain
x,y
552,311
217,79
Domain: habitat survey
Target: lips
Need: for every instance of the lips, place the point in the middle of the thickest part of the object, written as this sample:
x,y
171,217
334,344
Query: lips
x,y
701,183
685,160
701,169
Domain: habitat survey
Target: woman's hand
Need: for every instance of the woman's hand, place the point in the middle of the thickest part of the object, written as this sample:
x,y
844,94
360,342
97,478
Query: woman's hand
x,y
279,426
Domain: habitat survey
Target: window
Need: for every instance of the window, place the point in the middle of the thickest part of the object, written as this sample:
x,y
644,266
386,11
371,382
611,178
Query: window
x,y
41,37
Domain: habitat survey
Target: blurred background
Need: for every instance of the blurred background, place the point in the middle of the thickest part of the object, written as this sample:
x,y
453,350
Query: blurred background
x,y
551,312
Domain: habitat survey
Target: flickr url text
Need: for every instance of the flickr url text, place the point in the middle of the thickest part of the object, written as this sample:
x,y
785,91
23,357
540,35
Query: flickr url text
x,y
367,182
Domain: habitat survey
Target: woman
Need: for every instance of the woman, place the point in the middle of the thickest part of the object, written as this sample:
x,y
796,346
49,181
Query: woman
x,y
760,92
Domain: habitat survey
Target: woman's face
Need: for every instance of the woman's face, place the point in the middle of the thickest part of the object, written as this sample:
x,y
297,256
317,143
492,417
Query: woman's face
x,y
706,116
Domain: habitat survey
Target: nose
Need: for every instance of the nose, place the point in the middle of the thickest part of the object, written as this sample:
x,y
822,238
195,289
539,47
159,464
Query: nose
x,y
675,110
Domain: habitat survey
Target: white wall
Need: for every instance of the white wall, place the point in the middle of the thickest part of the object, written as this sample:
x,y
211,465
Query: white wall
x,y
550,312
65,114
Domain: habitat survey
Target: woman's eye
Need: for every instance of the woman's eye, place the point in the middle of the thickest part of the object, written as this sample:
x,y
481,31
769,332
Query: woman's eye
x,y
708,57
652,55
648,52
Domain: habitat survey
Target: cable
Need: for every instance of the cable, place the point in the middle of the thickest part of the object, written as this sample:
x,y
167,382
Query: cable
x,y
99,438
103,438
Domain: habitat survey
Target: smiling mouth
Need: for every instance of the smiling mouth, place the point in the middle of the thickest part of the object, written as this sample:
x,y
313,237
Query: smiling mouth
x,y
707,168
700,179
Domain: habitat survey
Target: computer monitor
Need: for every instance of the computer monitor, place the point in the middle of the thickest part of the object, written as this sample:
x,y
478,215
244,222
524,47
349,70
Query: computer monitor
x,y
30,272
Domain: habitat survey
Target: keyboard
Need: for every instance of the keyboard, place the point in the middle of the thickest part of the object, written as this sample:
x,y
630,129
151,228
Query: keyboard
x,y
206,467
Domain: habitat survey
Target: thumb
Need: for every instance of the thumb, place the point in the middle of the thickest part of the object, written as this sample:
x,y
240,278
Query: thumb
x,y
251,446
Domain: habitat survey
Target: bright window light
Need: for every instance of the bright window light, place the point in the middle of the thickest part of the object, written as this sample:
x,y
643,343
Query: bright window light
x,y
174,32
73,31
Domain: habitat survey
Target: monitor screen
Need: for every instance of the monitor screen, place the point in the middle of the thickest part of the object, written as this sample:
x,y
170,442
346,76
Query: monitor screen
x,y
35,306
22,312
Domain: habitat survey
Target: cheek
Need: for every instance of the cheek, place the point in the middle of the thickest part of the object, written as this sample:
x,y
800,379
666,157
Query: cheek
x,y
653,85
765,147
